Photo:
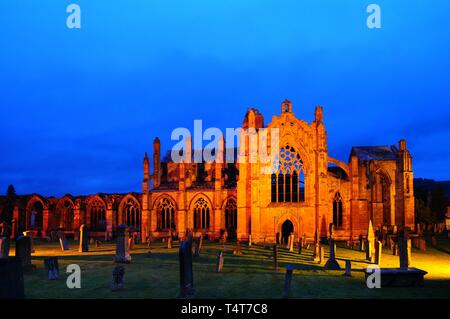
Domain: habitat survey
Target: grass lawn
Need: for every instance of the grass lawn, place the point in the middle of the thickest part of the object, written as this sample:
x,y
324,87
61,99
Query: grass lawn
x,y
248,276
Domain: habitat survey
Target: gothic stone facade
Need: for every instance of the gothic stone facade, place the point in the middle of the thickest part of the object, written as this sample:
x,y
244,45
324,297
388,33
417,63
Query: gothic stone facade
x,y
302,190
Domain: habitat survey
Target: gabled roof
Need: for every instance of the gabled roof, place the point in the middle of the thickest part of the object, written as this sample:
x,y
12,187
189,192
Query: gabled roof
x,y
375,153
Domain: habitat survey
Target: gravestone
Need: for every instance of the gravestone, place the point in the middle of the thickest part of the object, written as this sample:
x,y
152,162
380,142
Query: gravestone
x,y
304,240
363,245
237,250
84,239
316,246
370,249
361,242
63,241
122,245
186,273
330,230
52,268
220,259
97,243
348,268
249,240
11,278
278,238
403,250
395,249
117,278
300,246
332,264
291,243
4,247
287,281
378,252
275,257
169,242
198,246
321,255
130,240
23,250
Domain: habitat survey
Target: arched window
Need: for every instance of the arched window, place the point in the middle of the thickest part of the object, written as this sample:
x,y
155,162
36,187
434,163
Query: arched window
x,y
288,179
97,211
166,215
132,214
231,215
36,217
201,214
337,210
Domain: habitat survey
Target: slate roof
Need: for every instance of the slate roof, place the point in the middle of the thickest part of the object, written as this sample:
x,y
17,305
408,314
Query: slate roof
x,y
375,153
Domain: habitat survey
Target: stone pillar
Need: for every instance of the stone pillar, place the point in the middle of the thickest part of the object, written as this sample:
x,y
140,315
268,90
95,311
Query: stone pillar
x,y
109,220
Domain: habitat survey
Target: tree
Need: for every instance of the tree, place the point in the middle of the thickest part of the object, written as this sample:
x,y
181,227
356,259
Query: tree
x,y
439,203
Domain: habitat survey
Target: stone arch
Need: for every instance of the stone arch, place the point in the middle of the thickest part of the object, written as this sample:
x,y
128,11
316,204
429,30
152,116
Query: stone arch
x,y
166,209
229,218
202,211
162,196
35,212
296,222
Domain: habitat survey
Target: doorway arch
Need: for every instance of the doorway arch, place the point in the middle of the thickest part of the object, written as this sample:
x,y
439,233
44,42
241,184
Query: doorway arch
x,y
287,228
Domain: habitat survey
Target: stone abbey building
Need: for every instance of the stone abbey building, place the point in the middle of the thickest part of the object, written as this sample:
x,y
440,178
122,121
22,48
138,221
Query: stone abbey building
x,y
302,191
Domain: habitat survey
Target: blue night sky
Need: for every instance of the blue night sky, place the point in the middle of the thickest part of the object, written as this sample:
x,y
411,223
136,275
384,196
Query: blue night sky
x,y
78,108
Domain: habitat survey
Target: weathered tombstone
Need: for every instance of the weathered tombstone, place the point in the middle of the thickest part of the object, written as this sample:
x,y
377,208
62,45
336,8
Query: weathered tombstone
x,y
348,268
370,242
330,230
332,264
11,278
52,268
422,244
275,257
291,243
249,240
198,246
117,278
84,239
378,252
130,240
316,246
97,243
395,249
403,250
4,247
362,244
169,242
237,250
304,240
220,259
300,246
23,250
287,281
63,241
186,274
91,241
122,245
321,255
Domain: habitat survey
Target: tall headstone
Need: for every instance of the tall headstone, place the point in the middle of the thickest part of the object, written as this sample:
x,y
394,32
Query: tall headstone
x,y
52,268
117,278
238,250
186,273
122,245
63,241
370,242
348,268
198,246
378,252
287,281
321,255
169,242
23,250
403,249
291,242
332,264
316,246
275,257
220,259
84,239
250,240
11,278
300,246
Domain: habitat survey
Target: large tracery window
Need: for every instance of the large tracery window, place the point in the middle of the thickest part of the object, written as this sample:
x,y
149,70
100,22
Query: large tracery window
x,y
201,214
132,214
166,215
288,178
231,215
337,210
98,216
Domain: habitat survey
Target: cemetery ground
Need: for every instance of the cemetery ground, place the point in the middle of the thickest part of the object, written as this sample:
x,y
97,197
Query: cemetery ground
x,y
246,276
